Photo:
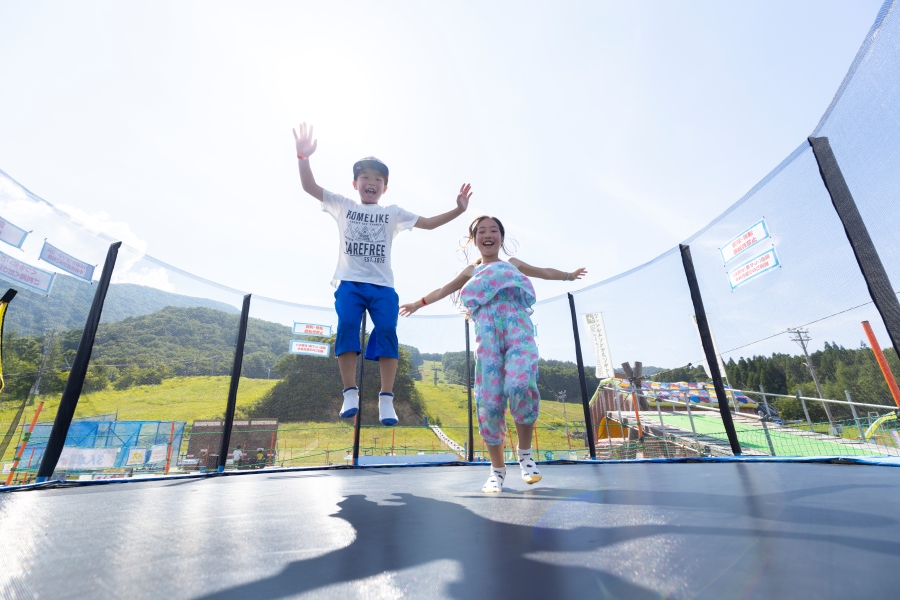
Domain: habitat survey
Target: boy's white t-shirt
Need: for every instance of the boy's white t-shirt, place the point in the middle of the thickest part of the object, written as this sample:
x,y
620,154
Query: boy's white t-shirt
x,y
367,232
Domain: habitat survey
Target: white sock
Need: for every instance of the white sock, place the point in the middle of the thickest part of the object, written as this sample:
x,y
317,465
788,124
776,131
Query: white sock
x,y
530,473
386,413
351,402
494,484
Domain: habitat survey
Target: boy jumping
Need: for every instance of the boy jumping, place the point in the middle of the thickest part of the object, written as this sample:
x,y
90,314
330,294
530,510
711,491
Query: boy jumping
x,y
363,278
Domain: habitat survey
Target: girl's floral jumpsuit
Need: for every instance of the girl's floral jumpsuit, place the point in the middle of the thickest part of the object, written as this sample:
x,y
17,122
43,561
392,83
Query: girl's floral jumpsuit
x,y
499,299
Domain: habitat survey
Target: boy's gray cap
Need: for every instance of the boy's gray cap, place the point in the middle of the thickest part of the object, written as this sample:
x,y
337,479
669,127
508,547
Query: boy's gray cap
x,y
369,162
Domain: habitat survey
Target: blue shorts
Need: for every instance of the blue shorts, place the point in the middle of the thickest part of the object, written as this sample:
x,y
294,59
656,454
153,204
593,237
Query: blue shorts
x,y
383,304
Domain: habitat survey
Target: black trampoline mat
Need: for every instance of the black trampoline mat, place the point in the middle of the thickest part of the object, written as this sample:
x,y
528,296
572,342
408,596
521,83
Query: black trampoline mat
x,y
710,530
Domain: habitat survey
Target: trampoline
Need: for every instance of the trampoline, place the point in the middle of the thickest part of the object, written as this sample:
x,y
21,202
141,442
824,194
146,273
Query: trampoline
x,y
730,527
724,529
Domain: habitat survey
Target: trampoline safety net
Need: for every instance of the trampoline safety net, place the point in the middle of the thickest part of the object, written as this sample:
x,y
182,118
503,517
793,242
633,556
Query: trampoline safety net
x,y
806,358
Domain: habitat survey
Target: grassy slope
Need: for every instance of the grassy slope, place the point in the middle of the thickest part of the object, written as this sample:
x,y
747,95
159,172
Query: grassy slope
x,y
178,399
448,403
305,443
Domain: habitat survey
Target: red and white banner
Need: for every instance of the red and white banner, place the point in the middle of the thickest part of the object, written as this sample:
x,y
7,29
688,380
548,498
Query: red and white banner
x,y
19,273
66,262
311,329
745,240
753,268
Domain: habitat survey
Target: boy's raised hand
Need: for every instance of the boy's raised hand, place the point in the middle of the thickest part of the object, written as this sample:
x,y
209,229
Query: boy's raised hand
x,y
462,200
306,145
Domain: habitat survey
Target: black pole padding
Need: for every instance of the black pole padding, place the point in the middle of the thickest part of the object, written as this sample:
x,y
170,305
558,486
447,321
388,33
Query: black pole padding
x,y
588,422
72,392
470,455
880,288
708,349
362,370
8,296
237,365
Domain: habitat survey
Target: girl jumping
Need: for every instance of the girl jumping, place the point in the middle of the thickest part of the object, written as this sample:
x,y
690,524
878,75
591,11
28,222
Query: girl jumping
x,y
499,296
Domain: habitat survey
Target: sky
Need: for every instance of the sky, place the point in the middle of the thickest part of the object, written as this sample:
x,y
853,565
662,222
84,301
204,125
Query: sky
x,y
601,133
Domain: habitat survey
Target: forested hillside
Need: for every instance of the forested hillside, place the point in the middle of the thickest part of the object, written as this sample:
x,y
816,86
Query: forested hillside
x,y
70,299
310,390
837,368
145,350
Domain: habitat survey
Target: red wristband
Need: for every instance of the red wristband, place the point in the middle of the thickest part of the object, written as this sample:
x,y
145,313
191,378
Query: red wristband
x,y
301,157
423,301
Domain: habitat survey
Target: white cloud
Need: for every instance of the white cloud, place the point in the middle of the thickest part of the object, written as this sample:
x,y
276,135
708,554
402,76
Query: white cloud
x,y
151,277
101,222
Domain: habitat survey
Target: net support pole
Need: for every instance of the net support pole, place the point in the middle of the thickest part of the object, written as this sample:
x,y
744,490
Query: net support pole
x,y
72,392
805,412
880,288
470,449
882,363
709,349
588,425
361,368
859,428
233,387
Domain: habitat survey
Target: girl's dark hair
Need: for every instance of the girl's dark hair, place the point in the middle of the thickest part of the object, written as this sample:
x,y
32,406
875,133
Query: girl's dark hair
x,y
470,240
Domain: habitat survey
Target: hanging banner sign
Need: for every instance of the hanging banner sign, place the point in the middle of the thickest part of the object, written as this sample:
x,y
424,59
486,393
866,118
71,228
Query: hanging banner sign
x,y
158,453
310,348
605,367
73,458
136,456
311,329
19,273
753,268
66,262
12,235
745,240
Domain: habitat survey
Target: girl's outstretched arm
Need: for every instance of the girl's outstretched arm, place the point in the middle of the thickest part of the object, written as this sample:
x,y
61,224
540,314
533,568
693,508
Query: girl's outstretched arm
x,y
432,297
546,272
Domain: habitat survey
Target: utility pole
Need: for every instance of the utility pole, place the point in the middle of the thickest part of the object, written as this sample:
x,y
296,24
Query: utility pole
x,y
213,358
435,369
36,388
801,336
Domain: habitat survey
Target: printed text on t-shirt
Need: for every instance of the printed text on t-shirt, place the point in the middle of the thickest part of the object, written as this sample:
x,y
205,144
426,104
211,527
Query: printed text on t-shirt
x,y
365,236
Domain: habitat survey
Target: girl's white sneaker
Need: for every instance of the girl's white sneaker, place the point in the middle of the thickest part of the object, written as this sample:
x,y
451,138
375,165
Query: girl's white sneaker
x,y
530,473
494,484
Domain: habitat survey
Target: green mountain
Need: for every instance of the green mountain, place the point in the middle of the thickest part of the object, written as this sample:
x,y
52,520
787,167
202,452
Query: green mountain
x,y
144,350
310,390
189,340
67,306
